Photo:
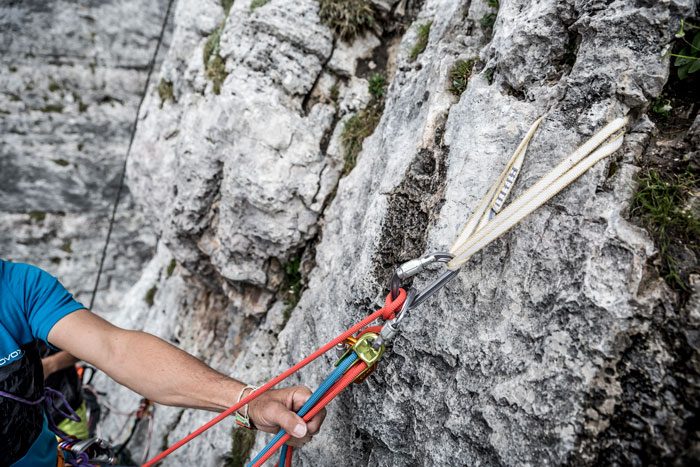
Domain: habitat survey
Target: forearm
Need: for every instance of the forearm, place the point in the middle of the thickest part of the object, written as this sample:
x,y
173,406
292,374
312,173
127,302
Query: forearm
x,y
57,361
166,374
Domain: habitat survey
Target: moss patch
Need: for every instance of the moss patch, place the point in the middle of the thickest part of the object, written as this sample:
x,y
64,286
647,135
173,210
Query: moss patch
x,y
459,76
214,66
37,216
171,267
52,108
165,91
53,87
242,441
347,18
67,247
421,40
226,5
150,295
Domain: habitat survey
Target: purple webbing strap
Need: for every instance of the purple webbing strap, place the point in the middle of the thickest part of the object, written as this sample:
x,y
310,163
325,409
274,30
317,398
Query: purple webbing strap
x,y
49,399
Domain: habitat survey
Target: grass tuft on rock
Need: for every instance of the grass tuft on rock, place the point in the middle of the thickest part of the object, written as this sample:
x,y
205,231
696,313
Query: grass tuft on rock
x,y
661,203
347,19
421,41
459,76
356,129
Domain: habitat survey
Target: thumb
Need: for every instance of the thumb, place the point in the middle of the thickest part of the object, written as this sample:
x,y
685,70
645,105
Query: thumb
x,y
291,422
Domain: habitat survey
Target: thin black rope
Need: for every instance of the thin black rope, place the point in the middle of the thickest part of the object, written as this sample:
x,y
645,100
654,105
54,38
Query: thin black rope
x,y
128,151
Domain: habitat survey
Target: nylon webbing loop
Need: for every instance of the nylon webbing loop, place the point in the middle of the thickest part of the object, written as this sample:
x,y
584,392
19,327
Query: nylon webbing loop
x,y
473,239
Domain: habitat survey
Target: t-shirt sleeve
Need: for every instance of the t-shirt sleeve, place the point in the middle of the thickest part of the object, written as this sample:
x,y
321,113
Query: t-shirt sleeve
x,y
46,301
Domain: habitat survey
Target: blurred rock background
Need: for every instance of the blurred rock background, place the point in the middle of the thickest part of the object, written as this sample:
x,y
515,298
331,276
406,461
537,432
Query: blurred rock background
x,y
289,155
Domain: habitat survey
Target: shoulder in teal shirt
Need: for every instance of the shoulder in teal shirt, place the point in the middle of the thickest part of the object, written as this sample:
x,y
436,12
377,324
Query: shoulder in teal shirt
x,y
31,302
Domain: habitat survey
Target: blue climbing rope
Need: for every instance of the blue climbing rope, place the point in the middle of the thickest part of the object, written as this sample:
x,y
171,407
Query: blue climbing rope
x,y
315,397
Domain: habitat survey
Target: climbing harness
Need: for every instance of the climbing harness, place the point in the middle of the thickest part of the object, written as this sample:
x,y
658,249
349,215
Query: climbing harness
x,y
92,451
83,452
490,220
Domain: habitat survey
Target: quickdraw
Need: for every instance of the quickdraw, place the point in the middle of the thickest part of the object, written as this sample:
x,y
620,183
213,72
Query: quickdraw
x,y
361,353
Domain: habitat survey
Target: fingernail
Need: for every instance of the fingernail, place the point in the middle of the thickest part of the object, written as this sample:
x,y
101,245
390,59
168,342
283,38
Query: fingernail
x,y
299,431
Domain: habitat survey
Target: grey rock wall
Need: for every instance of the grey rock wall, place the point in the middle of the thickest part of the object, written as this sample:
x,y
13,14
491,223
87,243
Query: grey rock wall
x,y
72,75
556,345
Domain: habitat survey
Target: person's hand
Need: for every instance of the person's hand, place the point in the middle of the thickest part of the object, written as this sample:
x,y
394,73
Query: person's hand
x,y
274,411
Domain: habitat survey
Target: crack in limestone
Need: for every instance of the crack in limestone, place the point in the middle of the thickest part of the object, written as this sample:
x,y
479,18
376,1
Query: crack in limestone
x,y
414,205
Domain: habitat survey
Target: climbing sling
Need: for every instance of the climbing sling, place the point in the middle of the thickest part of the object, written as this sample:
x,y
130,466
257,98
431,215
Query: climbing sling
x,y
488,222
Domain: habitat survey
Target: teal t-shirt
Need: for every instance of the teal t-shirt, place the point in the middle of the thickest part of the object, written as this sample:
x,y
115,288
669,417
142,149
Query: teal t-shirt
x,y
31,302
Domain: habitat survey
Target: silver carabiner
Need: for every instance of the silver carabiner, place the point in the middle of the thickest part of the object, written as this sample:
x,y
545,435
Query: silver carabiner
x,y
414,298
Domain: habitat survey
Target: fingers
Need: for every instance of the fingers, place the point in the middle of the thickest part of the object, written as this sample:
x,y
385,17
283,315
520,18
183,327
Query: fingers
x,y
287,420
314,424
277,408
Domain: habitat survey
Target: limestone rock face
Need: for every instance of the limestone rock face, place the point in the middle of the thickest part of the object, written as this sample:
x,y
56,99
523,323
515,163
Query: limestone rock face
x,y
238,178
558,344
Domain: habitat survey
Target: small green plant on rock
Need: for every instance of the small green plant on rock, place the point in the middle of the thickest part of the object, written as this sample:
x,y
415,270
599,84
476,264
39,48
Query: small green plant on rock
x,y
489,19
660,204
257,4
662,107
377,86
423,34
688,59
165,91
347,18
459,76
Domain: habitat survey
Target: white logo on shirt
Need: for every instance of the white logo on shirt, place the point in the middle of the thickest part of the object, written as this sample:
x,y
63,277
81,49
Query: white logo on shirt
x,y
14,355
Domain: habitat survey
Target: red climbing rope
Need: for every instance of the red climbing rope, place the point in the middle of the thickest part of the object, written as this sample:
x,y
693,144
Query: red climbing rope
x,y
347,378
387,312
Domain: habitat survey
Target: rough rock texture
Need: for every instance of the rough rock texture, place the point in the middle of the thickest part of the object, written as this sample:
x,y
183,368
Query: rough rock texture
x,y
72,77
556,345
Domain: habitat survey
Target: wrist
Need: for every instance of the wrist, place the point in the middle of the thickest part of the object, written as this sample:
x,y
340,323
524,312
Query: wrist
x,y
242,415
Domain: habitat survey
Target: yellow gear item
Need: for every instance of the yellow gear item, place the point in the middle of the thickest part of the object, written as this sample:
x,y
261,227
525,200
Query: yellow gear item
x,y
76,429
